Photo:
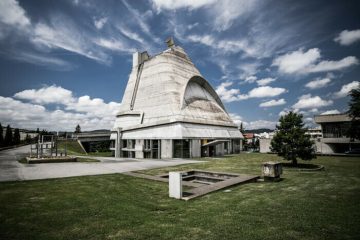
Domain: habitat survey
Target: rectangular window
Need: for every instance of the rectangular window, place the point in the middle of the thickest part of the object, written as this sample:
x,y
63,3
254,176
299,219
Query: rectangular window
x,y
147,144
335,130
155,148
124,144
181,148
130,144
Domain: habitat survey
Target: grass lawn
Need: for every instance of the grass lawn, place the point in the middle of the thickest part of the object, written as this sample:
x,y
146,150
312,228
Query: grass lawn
x,y
316,205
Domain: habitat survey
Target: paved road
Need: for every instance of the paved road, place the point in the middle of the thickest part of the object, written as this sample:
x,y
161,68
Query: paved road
x,y
12,170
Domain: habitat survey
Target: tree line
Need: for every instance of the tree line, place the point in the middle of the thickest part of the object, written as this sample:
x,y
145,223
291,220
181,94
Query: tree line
x,y
11,138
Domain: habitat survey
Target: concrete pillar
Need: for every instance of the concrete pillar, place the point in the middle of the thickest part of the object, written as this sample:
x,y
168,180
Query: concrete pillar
x,y
166,148
195,148
118,143
139,148
219,149
175,185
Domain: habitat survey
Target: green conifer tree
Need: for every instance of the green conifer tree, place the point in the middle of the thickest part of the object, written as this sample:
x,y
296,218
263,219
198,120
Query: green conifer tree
x,y
16,138
1,136
354,113
290,140
8,136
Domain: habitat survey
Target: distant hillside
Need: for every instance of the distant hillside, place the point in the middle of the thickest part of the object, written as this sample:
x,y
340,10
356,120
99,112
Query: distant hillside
x,y
260,130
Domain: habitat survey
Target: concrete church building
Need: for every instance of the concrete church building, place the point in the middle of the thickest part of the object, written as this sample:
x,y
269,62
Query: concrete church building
x,y
170,111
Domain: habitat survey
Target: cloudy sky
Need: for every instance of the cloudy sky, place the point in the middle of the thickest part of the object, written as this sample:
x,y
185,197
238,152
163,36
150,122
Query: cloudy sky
x,y
67,62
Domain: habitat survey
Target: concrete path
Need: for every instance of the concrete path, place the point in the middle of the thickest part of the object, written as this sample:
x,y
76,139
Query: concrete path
x,y
12,170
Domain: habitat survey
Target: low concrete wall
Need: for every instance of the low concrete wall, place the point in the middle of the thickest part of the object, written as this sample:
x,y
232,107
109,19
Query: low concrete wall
x,y
51,160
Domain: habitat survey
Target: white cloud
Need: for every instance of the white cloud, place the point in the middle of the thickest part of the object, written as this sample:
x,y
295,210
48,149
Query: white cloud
x,y
265,81
59,32
301,62
236,118
99,23
12,13
141,20
325,66
318,83
335,111
94,107
273,103
227,95
296,61
250,79
207,40
89,113
346,37
42,60
226,11
307,101
248,69
225,45
231,95
64,35
46,95
309,119
114,45
131,35
260,124
264,91
12,110
283,112
345,89
176,4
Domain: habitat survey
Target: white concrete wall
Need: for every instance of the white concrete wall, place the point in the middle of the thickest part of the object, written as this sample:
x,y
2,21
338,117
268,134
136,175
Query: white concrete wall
x,y
323,148
265,145
179,130
166,148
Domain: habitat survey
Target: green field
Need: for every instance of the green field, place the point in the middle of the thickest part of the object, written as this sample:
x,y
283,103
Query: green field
x,y
316,205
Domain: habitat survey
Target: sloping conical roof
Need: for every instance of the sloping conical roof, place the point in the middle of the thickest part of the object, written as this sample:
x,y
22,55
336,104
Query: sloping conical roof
x,y
168,88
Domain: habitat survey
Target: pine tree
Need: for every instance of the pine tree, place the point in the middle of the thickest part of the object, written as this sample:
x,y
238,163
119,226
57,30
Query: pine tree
x,y
16,139
241,128
78,129
28,138
1,136
8,136
37,135
290,140
354,113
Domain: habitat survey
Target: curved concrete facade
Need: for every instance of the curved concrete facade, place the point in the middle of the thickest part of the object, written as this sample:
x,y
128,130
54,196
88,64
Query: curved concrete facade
x,y
167,98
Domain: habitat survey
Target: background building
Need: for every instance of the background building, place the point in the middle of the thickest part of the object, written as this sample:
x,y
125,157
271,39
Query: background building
x,y
334,128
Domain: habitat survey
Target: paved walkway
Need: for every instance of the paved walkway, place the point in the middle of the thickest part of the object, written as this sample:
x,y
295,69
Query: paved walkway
x,y
12,170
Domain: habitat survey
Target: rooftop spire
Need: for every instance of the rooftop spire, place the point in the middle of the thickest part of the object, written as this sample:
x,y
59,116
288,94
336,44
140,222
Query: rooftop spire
x,y
170,42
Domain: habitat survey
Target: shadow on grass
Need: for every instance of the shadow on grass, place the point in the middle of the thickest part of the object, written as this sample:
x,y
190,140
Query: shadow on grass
x,y
303,166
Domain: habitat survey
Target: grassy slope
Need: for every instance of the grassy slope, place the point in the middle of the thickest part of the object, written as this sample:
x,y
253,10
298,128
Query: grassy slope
x,y
320,205
73,148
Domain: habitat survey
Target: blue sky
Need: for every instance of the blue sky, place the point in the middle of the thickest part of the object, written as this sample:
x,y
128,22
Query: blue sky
x,y
67,62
